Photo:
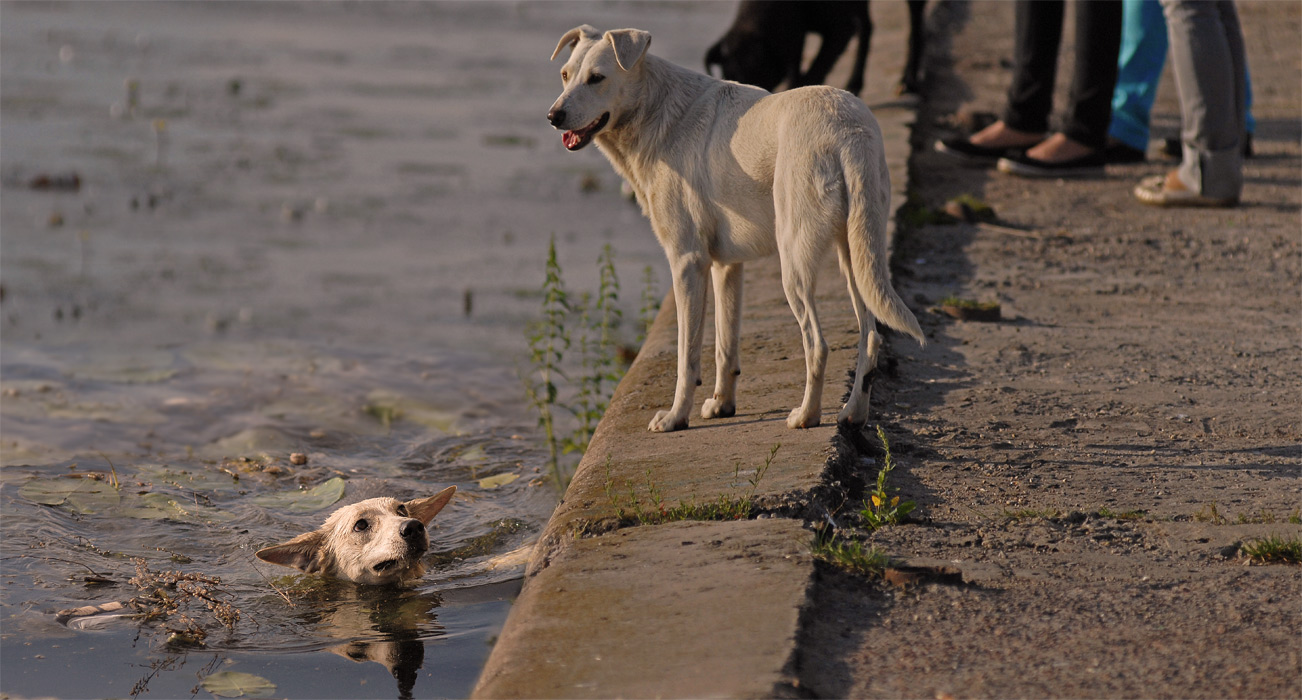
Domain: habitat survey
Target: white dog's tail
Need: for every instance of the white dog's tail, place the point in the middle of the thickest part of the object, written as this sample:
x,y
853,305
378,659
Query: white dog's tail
x,y
868,208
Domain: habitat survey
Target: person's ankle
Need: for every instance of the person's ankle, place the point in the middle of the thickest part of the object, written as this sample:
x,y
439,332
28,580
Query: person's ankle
x,y
1000,135
1059,148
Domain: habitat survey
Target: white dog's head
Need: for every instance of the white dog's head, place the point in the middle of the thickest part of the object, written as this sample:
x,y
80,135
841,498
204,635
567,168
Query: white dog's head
x,y
594,80
376,541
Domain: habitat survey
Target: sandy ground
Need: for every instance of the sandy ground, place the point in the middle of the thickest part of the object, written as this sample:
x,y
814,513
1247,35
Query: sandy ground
x,y
1147,366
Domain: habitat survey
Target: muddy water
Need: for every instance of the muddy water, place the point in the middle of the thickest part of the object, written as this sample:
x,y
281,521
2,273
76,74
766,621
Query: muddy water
x,y
309,228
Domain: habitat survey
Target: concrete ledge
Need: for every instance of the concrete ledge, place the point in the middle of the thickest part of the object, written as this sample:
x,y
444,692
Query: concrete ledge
x,y
618,617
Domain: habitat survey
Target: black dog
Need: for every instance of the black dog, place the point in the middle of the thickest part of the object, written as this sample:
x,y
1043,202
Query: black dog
x,y
765,42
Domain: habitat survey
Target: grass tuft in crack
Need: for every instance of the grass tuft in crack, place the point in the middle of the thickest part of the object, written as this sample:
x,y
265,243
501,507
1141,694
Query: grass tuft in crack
x,y
1274,549
850,555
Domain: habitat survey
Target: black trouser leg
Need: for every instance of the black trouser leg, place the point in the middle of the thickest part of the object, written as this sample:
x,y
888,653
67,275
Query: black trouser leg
x,y
1098,41
1037,37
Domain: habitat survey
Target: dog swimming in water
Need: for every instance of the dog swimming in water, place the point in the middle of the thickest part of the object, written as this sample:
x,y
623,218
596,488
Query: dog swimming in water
x,y
376,541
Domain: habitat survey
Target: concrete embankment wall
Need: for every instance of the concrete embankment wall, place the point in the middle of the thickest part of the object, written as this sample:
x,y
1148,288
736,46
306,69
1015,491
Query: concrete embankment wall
x,y
694,608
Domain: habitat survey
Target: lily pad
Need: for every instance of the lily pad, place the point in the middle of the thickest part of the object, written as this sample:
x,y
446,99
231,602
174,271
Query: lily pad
x,y
207,481
79,495
161,506
128,368
473,455
320,496
234,684
492,482
253,442
390,407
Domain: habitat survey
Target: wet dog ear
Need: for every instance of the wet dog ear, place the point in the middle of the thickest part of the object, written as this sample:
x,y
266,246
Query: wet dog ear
x,y
424,509
305,552
630,46
572,37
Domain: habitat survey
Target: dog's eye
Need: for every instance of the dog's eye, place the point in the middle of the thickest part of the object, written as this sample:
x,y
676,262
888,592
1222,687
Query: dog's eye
x,y
594,79
402,510
565,76
361,526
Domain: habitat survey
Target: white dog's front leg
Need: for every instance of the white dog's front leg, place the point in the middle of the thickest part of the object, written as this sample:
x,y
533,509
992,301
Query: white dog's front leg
x,y
689,298
727,345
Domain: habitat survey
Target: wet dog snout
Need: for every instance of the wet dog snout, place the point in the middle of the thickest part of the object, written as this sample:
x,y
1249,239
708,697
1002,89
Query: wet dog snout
x,y
556,117
411,530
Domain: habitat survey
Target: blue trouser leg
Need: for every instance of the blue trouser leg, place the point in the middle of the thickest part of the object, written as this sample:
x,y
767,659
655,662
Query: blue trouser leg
x,y
1139,68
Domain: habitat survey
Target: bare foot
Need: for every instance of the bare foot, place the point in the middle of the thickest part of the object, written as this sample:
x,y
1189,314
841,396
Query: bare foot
x,y
1059,149
1000,135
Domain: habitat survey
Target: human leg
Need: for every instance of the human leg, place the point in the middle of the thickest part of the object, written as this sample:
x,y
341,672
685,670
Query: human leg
x,y
1208,60
1139,69
1037,38
1094,72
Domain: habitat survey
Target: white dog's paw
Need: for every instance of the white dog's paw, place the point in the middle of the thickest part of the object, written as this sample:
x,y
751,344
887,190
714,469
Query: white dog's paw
x,y
718,408
850,416
800,418
666,422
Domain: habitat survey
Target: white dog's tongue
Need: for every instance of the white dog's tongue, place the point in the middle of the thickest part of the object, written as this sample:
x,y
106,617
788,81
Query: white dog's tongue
x,y
570,139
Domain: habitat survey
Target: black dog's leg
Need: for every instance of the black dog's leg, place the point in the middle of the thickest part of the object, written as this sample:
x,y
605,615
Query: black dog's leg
x,y
861,51
910,83
832,45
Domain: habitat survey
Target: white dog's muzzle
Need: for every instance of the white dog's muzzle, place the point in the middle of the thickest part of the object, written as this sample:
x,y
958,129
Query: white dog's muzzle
x,y
578,138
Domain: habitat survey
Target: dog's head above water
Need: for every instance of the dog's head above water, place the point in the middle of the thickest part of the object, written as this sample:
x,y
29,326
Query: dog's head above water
x,y
376,541
593,80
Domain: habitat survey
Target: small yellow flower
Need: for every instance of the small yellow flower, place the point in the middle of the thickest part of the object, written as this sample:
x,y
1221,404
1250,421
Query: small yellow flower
x,y
895,501
877,501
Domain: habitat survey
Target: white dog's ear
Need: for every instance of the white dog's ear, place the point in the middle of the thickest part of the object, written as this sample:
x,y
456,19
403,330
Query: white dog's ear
x,y
424,509
630,46
305,552
572,37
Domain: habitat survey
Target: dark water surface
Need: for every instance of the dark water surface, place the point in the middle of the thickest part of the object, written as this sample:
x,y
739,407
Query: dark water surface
x,y
199,438
231,232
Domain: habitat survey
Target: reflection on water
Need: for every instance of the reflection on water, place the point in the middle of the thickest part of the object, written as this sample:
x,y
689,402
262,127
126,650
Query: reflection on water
x,y
180,461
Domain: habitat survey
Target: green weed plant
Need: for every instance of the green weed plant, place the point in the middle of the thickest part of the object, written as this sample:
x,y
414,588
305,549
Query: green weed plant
x,y
881,508
571,393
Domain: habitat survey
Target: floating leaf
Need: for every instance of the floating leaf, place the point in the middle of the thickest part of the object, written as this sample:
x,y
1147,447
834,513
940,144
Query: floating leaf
x,y
315,498
129,368
474,454
79,495
389,407
253,442
492,482
233,684
209,480
156,505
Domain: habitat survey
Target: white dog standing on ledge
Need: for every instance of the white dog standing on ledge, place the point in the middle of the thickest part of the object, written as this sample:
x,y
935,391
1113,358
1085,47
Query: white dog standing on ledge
x,y
728,173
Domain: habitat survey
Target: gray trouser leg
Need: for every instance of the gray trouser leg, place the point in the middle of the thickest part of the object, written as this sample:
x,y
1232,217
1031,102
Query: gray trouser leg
x,y
1207,56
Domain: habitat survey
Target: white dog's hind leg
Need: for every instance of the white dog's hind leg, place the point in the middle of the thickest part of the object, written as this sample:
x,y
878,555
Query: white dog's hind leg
x,y
689,298
855,411
799,274
727,334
